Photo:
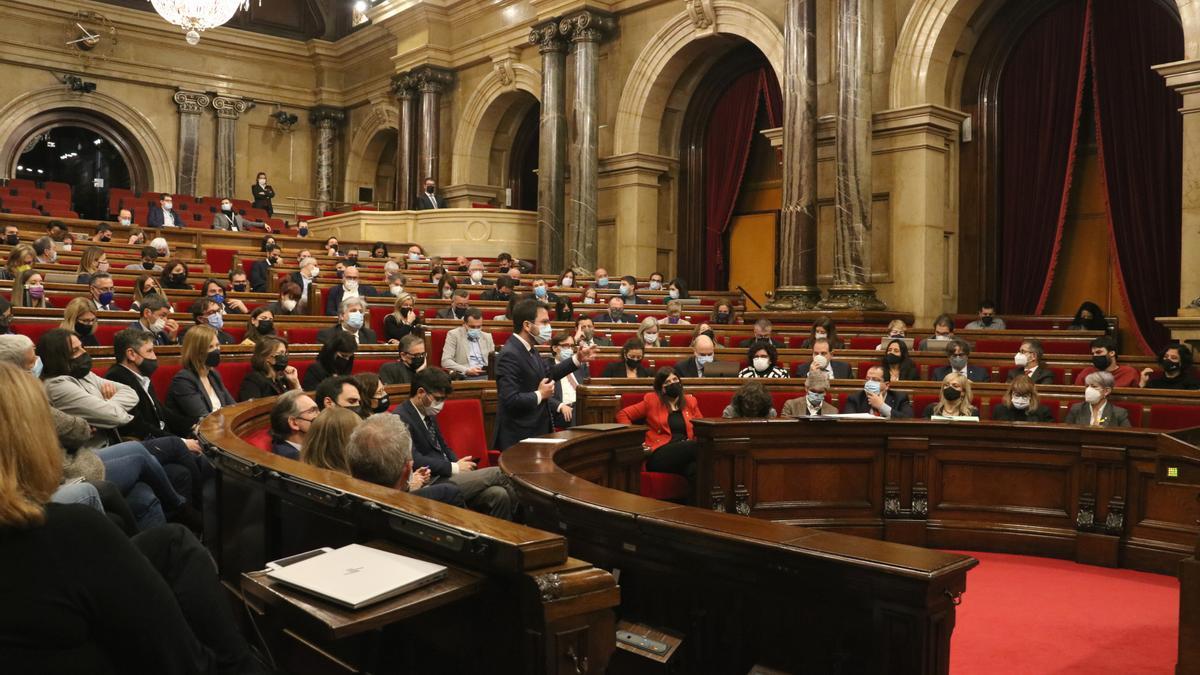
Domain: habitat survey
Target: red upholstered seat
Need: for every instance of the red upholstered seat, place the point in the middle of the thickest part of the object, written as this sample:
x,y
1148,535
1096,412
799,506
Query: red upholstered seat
x,y
1164,416
369,365
596,366
795,341
437,344
161,379
862,341
461,422
220,259
500,338
301,367
1054,404
1135,412
232,374
106,331
922,401
33,330
679,340
1066,346
712,403
304,335
237,331
665,486
778,398
259,438
998,346
489,313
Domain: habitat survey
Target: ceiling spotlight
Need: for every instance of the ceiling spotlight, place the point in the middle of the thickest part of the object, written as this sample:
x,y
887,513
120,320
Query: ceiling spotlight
x,y
97,141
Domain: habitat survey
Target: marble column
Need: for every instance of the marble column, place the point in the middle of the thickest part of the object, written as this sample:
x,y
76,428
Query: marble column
x,y
191,105
229,109
430,82
852,287
798,217
586,29
402,87
552,145
1184,78
326,120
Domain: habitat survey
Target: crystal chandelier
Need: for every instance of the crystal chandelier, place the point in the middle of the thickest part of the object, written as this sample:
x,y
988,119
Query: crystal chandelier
x,y
197,15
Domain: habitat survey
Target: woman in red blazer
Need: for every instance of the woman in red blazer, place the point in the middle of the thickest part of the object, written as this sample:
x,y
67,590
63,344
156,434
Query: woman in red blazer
x,y
668,412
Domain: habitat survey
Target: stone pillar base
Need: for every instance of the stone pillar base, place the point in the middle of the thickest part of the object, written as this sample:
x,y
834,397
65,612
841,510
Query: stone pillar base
x,y
852,297
794,298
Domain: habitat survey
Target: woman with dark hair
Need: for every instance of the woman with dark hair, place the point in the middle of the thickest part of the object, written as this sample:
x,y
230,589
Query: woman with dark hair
x,y
268,240
722,313
764,362
823,329
668,414
1176,362
446,287
375,398
896,363
677,290
175,276
630,364
29,290
197,389
270,374
750,400
335,358
261,325
1089,316
219,292
1020,403
288,303
436,274
379,251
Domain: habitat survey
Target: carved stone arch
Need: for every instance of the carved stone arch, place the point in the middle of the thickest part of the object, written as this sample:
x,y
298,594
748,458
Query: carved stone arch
x,y
366,146
507,89
150,165
671,53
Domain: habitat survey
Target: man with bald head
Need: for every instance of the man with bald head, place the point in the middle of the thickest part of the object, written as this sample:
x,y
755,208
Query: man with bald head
x,y
703,352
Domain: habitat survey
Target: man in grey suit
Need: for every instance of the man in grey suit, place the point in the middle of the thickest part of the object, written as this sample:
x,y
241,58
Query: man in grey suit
x,y
226,219
468,348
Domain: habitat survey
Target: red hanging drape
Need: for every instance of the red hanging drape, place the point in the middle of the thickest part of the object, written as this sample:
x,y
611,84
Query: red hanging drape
x,y
727,142
1140,134
1040,102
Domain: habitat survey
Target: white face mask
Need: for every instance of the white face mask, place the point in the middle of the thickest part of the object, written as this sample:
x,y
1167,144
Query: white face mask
x,y
650,338
656,285
476,275
288,304
433,410
1092,395
158,325
1020,402
397,290
761,363
819,362
314,272
1021,360
568,282
351,285
589,301
820,336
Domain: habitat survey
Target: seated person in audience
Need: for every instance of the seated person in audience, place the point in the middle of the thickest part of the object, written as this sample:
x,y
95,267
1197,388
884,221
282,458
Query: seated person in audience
x,y
1096,410
155,318
261,325
896,329
987,318
468,347
261,270
137,236
291,418
93,260
395,282
206,312
943,332
175,276
218,292
404,320
309,271
667,413
813,403
103,233
485,490
502,292
722,313
675,314
958,351
352,320
335,359
656,281
750,400
1020,403
375,396
562,402
75,576
57,230
136,361
703,353
616,313
79,318
159,244
508,263
566,279
601,276
349,288
1176,362
1089,316
590,296
148,262
585,333
1104,359
436,274
475,273
706,330
267,242
197,389
270,374
227,219
5,317
146,285
324,444
238,282
898,364
410,362
446,286
288,303
822,359
380,451
20,258
954,399
44,252
29,291
163,214
649,333
67,243
125,217
508,308
415,253
332,249
460,304
461,264
12,235
762,335
763,359
630,365
379,251
823,327
542,293
341,391
628,290
1028,360
101,287
878,398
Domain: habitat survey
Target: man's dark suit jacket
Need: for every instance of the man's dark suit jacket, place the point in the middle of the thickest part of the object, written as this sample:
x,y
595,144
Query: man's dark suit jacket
x,y
492,295
518,374
149,416
625,317
333,297
260,276
284,449
449,313
396,372
745,344
423,450
1041,375
974,373
687,368
421,203
841,370
901,406
366,336
156,218
582,376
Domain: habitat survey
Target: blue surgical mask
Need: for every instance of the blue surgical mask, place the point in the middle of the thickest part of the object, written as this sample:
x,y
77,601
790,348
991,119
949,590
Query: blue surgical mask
x,y
218,298
354,320
474,333
674,293
216,321
37,367
625,291
602,282
816,398
565,354
545,332
539,291
704,359
871,387
656,285
106,297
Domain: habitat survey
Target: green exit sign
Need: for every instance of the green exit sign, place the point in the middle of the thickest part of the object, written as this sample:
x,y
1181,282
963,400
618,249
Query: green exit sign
x,y
1172,472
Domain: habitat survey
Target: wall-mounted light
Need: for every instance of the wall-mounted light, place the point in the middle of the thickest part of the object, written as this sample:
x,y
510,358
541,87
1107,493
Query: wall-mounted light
x,y
76,83
284,120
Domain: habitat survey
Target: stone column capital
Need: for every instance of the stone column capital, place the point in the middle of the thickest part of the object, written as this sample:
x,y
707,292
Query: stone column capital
x,y
191,102
431,79
587,25
403,87
326,117
548,37
229,107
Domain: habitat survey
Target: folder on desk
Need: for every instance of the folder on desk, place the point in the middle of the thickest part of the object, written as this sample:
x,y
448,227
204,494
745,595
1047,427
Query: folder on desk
x,y
354,576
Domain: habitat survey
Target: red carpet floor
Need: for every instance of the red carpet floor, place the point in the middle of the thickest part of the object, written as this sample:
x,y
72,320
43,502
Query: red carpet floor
x,y
1024,615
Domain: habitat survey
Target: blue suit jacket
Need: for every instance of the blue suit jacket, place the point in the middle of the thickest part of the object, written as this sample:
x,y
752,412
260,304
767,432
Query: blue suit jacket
x,y
518,374
423,451
333,297
285,449
156,218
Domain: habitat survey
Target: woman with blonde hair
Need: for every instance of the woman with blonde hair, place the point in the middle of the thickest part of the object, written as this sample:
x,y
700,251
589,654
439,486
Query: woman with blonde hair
x,y
197,389
675,314
1021,404
20,258
648,332
955,399
405,319
29,291
93,260
147,284
79,318
324,445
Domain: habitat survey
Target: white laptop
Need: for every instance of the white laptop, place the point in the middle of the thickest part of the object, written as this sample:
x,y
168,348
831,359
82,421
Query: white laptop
x,y
354,576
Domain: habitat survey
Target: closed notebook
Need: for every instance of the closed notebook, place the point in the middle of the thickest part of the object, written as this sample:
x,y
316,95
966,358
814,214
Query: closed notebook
x,y
354,576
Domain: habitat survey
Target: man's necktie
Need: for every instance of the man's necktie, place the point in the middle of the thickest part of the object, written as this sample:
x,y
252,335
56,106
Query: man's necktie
x,y
431,424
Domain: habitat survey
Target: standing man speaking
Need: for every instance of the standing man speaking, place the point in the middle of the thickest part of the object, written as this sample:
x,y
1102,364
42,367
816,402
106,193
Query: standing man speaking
x,y
524,381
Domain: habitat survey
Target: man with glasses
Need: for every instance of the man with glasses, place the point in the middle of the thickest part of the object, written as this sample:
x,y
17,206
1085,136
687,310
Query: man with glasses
x,y
291,418
412,360
1029,362
101,286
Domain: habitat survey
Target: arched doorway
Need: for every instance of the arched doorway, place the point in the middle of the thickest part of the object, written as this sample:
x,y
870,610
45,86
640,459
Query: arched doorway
x,y
523,161
81,157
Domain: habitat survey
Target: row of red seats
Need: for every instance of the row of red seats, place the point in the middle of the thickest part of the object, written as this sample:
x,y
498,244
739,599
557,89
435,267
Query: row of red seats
x,y
195,211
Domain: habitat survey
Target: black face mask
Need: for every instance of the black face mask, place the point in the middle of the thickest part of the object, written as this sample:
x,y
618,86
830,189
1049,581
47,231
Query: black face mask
x,y
147,367
148,265
503,270
274,260
342,365
429,189
80,366
673,390
83,329
179,278
987,320
951,394
12,239
105,237
382,405
892,359
722,317
710,334
266,327
1100,362
1171,366
633,364
417,362
240,288
280,362
340,273
4,323
213,359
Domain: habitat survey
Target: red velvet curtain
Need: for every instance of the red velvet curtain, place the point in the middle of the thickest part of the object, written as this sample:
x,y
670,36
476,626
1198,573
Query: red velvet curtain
x,y
1040,102
1140,135
727,142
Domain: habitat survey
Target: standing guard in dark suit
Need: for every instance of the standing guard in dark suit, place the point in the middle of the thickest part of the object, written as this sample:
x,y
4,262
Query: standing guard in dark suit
x,y
263,194
429,199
